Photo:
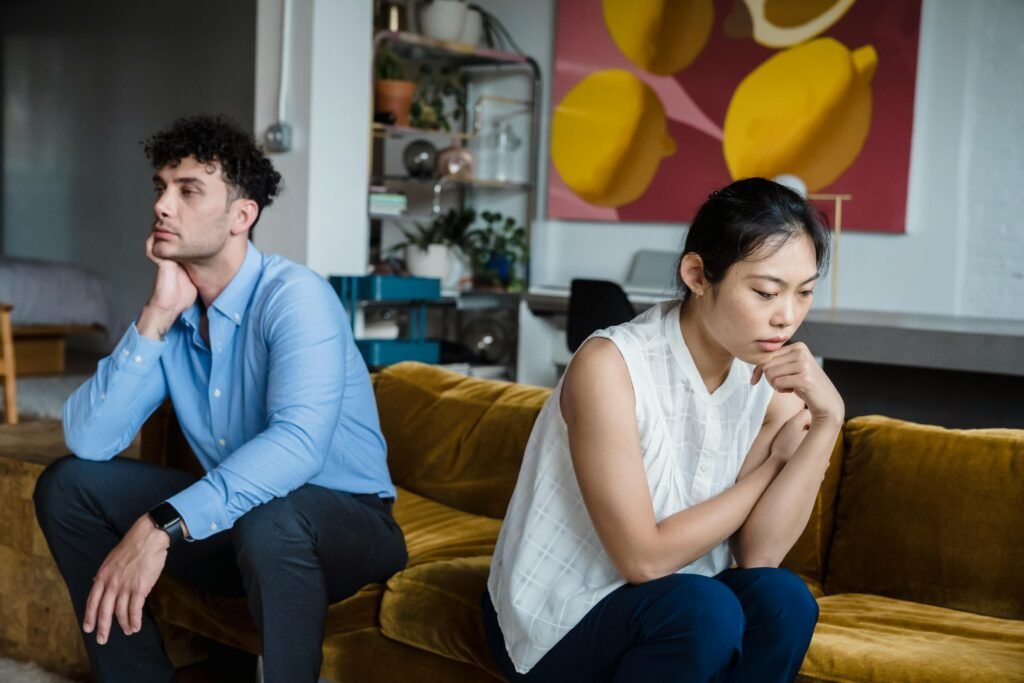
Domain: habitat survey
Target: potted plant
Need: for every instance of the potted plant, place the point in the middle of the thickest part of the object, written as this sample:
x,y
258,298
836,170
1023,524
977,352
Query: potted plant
x,y
436,84
437,249
393,92
499,252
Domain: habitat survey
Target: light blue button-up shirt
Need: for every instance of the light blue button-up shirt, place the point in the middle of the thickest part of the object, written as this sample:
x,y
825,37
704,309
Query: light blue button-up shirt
x,y
279,398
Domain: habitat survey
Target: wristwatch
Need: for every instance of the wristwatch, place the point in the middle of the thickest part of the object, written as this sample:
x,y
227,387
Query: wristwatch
x,y
166,518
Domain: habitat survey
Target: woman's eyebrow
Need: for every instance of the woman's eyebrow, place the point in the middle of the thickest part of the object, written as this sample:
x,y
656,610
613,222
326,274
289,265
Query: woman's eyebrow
x,y
779,280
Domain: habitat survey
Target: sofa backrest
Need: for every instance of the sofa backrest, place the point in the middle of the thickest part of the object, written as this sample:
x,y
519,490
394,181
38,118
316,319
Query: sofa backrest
x,y
931,515
455,439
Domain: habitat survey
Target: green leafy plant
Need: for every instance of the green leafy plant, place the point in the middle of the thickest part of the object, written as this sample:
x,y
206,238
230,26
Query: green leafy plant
x,y
435,85
499,250
389,65
452,228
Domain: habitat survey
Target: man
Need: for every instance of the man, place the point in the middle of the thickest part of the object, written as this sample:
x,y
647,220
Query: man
x,y
254,351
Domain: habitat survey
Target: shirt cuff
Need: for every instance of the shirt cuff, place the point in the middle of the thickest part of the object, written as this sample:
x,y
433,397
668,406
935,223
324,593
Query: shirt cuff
x,y
202,510
137,354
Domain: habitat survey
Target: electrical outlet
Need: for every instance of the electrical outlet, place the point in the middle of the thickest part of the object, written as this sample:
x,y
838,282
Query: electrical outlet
x,y
279,137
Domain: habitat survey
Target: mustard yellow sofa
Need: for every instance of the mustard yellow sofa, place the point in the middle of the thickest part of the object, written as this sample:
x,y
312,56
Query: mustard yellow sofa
x,y
915,549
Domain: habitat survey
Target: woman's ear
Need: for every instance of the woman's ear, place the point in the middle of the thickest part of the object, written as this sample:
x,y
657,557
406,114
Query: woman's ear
x,y
691,270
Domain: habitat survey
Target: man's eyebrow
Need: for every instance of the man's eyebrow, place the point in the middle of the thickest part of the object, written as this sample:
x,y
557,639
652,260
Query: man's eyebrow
x,y
179,181
780,281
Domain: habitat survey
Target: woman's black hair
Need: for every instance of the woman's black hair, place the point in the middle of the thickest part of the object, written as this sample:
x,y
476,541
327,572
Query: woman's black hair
x,y
742,217
247,172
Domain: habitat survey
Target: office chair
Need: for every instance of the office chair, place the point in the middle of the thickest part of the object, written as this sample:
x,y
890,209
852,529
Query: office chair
x,y
594,305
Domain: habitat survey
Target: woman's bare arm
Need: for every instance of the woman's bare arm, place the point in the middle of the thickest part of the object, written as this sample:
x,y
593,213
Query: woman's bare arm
x,y
779,517
598,405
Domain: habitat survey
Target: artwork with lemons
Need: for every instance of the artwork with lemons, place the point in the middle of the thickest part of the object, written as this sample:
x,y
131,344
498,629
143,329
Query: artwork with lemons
x,y
804,107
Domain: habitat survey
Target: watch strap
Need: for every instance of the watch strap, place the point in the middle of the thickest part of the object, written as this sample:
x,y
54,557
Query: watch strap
x,y
167,519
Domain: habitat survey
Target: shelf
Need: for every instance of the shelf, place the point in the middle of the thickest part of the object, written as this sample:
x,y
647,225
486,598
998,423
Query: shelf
x,y
415,47
482,183
403,216
381,130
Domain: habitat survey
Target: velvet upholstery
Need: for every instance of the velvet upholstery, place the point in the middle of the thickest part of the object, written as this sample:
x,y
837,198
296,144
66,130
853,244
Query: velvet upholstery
x,y
913,548
871,638
931,515
453,439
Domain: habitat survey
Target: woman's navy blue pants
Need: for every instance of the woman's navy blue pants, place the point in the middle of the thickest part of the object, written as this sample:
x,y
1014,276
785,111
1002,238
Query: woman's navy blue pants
x,y
742,625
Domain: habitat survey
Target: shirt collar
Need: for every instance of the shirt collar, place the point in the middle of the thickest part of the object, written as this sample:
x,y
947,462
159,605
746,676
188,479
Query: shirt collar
x,y
235,298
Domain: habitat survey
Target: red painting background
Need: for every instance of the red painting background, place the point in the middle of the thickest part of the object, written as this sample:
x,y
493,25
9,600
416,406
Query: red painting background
x,y
877,179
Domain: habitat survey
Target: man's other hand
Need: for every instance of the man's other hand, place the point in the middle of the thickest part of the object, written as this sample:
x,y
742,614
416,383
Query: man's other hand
x,y
125,579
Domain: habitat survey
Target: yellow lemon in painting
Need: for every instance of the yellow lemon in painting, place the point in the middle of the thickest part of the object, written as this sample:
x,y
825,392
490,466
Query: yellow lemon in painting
x,y
659,36
782,23
805,111
608,136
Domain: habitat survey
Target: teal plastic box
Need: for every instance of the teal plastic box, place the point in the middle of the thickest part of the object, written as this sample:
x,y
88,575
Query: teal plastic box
x,y
385,288
381,352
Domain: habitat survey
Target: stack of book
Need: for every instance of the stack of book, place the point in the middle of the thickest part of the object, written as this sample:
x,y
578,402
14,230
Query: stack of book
x,y
387,203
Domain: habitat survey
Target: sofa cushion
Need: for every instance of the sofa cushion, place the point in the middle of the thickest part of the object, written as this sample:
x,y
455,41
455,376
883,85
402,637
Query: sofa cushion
x,y
931,515
227,620
433,531
871,638
455,439
436,607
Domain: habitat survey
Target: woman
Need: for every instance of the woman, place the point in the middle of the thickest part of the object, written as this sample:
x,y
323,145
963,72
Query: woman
x,y
677,444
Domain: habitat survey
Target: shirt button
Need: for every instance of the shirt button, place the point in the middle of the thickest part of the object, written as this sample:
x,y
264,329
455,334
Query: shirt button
x,y
222,442
213,526
216,393
138,359
103,397
238,316
126,353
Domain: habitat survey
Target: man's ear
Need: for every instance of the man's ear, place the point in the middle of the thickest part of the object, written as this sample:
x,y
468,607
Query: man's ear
x,y
244,213
691,270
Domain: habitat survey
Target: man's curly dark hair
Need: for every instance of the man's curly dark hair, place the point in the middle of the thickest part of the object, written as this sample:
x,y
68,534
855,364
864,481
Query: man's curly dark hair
x,y
247,171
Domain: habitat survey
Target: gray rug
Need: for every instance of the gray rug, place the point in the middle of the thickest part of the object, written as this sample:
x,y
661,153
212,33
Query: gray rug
x,y
26,672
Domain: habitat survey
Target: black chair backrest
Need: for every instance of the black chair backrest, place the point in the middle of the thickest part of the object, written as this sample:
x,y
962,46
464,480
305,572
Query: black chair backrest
x,y
594,305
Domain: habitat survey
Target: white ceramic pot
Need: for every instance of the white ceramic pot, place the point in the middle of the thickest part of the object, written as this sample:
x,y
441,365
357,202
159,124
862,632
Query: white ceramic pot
x,y
434,261
473,29
443,19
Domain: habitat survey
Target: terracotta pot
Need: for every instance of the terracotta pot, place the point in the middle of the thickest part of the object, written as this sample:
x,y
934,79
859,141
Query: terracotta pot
x,y
395,97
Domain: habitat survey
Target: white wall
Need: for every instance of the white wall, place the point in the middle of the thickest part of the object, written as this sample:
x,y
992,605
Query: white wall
x,y
320,219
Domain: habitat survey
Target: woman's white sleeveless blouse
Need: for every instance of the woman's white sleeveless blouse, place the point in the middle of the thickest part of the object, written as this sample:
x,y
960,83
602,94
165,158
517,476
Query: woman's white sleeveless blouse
x,y
549,567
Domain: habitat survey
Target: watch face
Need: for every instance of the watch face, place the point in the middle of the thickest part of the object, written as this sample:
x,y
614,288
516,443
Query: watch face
x,y
164,515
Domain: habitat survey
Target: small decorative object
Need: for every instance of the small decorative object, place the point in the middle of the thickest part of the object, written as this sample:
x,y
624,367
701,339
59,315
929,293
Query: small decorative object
x,y
473,29
393,94
420,158
455,162
501,144
392,16
438,88
443,19
499,252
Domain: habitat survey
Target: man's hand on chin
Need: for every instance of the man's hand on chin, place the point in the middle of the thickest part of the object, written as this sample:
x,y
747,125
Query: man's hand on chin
x,y
173,292
125,579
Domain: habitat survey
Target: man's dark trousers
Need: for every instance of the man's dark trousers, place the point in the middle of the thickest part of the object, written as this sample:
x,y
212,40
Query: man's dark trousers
x,y
290,557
